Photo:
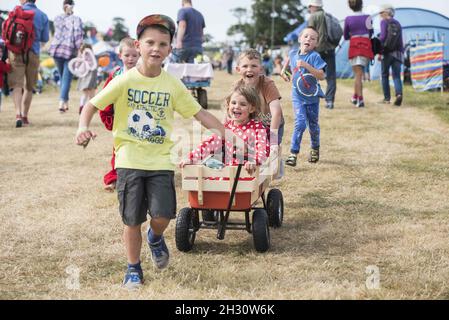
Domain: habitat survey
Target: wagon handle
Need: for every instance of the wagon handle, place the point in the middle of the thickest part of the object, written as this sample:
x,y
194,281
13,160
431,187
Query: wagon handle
x,y
222,225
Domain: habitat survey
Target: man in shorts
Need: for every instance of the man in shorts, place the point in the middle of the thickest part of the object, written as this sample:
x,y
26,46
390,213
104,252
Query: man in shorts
x,y
25,68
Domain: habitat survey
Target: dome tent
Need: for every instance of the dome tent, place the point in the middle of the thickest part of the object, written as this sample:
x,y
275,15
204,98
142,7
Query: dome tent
x,y
293,36
420,26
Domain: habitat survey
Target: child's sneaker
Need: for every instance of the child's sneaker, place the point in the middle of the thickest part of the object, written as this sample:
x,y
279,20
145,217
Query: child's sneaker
x,y
360,103
159,253
354,99
133,279
314,155
25,121
291,160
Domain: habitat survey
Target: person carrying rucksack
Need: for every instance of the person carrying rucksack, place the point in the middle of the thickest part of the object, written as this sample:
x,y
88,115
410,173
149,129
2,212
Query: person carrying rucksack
x,y
330,33
393,53
23,31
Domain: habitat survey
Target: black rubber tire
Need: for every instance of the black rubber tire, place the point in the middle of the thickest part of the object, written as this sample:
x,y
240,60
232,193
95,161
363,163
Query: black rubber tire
x,y
202,97
261,231
185,231
275,208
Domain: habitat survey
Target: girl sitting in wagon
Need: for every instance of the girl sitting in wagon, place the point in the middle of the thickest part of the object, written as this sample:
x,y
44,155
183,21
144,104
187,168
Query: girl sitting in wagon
x,y
242,107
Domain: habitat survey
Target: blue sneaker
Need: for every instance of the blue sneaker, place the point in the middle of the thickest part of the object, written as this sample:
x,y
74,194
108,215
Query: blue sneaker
x,y
133,279
159,253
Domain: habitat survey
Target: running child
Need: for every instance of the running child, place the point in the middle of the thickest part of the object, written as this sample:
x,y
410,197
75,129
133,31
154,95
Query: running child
x,y
129,56
145,99
306,68
251,71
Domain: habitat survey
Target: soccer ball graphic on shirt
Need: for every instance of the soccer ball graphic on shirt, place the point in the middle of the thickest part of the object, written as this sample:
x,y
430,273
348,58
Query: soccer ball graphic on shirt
x,y
142,125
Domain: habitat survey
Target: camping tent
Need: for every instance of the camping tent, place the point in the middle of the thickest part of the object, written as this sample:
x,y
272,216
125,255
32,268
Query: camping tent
x,y
420,26
293,36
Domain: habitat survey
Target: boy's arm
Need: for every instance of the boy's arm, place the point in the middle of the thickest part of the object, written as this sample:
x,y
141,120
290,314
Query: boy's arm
x,y
181,32
276,115
83,135
317,73
209,121
284,72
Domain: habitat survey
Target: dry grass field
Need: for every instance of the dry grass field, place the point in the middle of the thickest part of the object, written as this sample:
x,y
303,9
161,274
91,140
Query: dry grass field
x,y
378,198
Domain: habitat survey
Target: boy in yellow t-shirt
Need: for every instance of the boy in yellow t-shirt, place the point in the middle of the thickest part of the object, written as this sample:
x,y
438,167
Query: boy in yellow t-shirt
x,y
145,99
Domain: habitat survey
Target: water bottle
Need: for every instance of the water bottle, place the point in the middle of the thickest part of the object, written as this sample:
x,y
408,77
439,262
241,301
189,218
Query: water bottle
x,y
18,39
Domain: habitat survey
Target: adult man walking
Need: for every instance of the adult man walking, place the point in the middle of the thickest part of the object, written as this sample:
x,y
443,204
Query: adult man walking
x,y
25,67
189,39
324,48
393,53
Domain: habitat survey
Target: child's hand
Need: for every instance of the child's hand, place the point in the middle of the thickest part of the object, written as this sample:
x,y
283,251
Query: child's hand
x,y
285,75
83,136
183,163
250,167
302,64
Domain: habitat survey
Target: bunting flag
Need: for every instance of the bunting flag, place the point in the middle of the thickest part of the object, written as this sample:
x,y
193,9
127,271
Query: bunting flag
x,y
427,66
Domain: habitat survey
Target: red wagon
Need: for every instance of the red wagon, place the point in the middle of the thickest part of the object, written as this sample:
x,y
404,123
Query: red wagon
x,y
217,193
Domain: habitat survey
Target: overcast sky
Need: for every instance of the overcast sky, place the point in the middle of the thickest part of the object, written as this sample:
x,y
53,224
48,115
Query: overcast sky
x,y
216,12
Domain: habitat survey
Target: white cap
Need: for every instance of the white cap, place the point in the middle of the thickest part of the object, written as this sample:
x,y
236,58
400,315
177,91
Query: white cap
x,y
315,3
387,8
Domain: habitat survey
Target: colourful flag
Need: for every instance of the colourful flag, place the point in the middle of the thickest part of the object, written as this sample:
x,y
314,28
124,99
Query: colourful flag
x,y
427,66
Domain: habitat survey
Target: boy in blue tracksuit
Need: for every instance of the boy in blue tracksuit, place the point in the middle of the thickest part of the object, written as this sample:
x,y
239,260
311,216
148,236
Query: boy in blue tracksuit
x,y
307,62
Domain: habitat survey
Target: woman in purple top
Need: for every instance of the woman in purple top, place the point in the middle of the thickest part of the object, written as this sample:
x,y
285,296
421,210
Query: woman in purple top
x,y
66,42
358,29
393,53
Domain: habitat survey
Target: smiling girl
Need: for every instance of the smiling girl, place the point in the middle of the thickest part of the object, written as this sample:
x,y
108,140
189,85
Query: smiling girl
x,y
242,108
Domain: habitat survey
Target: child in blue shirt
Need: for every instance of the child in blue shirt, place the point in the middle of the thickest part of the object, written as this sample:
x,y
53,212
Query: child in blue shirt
x,y
307,69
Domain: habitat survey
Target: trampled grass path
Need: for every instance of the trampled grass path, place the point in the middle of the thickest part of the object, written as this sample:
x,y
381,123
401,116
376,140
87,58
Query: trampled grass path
x,y
378,199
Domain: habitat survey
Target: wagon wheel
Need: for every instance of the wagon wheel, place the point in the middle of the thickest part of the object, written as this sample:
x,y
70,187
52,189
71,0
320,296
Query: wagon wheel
x,y
275,208
261,230
202,97
185,230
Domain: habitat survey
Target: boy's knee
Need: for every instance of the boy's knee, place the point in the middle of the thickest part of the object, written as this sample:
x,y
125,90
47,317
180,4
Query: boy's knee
x,y
160,221
300,126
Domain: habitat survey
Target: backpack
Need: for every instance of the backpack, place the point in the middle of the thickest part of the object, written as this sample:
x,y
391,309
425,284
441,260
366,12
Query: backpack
x,y
376,45
333,30
18,30
393,40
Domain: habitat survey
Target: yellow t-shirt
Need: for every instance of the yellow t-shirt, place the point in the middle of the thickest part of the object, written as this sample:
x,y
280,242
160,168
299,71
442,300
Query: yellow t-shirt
x,y
144,113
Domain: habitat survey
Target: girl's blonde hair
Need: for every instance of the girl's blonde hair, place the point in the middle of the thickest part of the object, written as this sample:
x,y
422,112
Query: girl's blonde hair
x,y
250,94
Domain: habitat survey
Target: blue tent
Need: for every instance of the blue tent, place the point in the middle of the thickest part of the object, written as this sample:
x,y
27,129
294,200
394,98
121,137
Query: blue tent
x,y
420,26
294,35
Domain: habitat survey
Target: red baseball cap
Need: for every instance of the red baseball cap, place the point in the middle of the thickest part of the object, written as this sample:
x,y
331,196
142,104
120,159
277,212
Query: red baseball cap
x,y
156,19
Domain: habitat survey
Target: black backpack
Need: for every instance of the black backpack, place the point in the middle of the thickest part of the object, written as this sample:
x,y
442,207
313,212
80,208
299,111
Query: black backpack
x,y
393,40
376,46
